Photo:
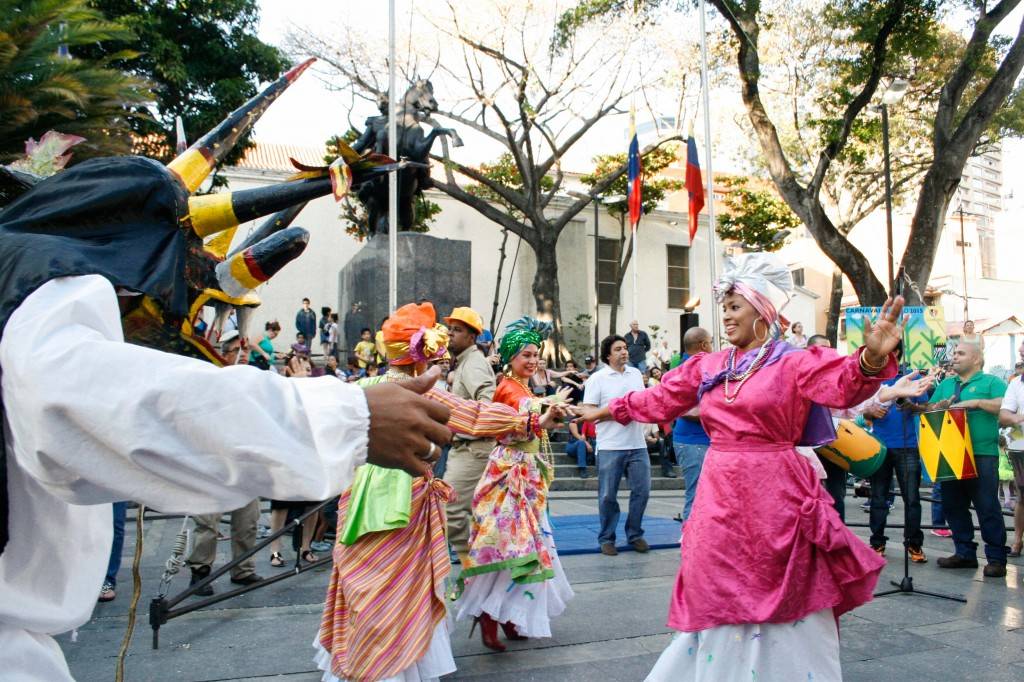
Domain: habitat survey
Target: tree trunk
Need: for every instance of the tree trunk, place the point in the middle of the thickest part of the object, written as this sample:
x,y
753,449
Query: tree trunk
x,y
497,284
835,304
936,191
546,295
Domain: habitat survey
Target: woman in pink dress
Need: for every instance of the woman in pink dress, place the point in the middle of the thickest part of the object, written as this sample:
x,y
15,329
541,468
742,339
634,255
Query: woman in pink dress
x,y
767,566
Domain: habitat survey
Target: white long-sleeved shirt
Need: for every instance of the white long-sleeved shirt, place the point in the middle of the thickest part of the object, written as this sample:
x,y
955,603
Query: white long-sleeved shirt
x,y
91,420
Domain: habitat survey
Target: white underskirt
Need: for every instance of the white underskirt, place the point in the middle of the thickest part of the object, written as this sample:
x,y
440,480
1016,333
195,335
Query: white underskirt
x,y
436,662
806,650
530,606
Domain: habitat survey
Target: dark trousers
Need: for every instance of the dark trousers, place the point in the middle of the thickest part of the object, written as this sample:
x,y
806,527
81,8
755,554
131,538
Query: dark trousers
x,y
957,497
578,449
906,464
659,448
114,563
835,484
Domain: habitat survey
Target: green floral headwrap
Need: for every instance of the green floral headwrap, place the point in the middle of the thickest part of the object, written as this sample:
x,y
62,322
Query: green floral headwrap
x,y
520,334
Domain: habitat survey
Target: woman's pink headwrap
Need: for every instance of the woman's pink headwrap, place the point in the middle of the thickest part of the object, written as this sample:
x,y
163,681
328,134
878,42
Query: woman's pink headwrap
x,y
761,278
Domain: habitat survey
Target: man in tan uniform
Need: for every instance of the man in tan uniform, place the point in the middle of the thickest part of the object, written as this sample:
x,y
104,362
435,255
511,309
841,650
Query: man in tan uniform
x,y
472,379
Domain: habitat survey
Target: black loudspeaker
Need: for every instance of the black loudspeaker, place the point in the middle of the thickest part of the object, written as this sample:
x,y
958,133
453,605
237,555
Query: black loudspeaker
x,y
687,321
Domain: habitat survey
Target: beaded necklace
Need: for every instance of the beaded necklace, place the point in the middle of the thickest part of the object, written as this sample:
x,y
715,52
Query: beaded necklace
x,y
762,356
545,457
519,380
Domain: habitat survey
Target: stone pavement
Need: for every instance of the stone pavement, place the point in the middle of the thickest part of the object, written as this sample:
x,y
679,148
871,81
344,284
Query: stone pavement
x,y
612,631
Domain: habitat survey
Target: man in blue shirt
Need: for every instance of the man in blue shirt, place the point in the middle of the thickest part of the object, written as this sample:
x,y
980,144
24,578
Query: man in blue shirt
x,y
896,424
689,440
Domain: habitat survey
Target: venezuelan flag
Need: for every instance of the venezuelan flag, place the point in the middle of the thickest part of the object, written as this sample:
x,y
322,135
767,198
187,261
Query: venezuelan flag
x,y
635,174
694,184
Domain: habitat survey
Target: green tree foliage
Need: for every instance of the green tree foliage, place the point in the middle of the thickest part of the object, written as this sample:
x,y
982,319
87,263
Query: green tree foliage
x,y
505,172
203,58
42,90
655,188
352,212
756,218
654,191
964,80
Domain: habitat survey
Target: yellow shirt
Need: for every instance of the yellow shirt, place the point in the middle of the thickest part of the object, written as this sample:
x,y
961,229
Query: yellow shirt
x,y
365,349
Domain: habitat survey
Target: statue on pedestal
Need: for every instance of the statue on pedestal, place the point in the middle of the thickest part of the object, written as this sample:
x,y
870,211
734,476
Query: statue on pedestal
x,y
418,104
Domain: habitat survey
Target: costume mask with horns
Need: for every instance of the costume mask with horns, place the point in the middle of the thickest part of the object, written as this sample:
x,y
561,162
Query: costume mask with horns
x,y
135,221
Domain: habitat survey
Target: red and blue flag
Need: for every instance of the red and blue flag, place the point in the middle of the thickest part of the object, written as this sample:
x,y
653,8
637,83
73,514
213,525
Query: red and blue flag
x,y
634,197
694,184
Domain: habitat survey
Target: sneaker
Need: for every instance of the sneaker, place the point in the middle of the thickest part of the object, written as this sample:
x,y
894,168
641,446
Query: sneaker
x,y
994,570
942,532
866,507
640,545
107,593
917,554
263,532
221,537
668,474
879,550
583,472
198,575
956,561
608,549
321,546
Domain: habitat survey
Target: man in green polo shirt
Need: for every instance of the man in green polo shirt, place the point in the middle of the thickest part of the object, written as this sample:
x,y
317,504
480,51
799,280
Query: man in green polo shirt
x,y
981,395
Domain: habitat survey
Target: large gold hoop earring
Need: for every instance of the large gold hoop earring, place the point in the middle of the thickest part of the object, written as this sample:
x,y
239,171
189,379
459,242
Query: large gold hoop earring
x,y
767,329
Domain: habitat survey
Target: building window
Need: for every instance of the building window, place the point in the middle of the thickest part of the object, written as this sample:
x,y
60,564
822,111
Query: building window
x,y
678,276
608,259
798,277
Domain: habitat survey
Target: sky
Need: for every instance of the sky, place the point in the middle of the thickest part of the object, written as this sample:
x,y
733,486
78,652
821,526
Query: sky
x,y
308,113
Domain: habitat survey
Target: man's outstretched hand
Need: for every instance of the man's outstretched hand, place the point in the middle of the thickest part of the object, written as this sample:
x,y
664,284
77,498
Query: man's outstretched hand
x,y
403,424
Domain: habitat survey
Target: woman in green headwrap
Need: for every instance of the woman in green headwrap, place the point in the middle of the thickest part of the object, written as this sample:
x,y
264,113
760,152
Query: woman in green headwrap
x,y
512,574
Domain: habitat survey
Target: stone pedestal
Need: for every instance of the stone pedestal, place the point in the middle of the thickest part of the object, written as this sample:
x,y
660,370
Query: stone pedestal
x,y
429,268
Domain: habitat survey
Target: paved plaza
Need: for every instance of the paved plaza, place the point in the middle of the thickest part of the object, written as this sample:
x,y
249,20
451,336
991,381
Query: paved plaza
x,y
613,630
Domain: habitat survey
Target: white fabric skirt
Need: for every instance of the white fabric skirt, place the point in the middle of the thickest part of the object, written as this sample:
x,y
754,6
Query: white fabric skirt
x,y
806,650
530,606
436,662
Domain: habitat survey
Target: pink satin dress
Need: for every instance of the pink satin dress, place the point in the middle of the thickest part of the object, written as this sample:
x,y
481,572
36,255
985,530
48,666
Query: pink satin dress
x,y
763,543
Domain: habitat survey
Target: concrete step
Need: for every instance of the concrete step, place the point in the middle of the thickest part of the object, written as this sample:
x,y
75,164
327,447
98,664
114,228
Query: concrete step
x,y
565,470
573,482
562,458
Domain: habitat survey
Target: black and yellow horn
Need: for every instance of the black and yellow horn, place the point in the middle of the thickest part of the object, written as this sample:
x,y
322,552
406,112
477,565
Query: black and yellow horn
x,y
253,266
197,161
210,213
271,225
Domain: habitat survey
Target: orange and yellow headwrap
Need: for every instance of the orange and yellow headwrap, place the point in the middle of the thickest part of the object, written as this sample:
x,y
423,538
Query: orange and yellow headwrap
x,y
412,335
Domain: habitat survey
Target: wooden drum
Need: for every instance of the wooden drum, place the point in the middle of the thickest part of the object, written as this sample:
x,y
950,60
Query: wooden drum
x,y
945,445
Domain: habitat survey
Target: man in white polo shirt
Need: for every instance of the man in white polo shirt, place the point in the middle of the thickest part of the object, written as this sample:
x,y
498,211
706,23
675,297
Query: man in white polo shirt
x,y
619,448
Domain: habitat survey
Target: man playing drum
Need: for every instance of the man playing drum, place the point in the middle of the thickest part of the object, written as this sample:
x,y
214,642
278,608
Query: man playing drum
x,y
981,395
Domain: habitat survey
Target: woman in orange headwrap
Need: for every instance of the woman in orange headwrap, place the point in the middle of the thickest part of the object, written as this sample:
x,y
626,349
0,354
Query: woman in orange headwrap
x,y
384,617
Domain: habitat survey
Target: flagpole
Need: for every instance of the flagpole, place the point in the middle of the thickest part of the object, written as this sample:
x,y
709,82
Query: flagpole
x,y
712,250
392,177
636,277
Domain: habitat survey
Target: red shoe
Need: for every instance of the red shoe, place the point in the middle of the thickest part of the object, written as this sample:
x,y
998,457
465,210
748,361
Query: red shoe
x,y
488,632
511,633
942,532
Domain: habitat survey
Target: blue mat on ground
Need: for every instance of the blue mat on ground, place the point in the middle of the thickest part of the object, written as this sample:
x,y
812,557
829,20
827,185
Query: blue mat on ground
x,y
577,534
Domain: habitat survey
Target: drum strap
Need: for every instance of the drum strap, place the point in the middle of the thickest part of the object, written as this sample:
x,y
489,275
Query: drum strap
x,y
956,391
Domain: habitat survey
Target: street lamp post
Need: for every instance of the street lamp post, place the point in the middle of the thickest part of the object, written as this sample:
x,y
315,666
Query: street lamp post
x,y
893,94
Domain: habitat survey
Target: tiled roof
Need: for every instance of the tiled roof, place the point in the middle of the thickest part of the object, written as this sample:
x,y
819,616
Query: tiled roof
x,y
269,156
